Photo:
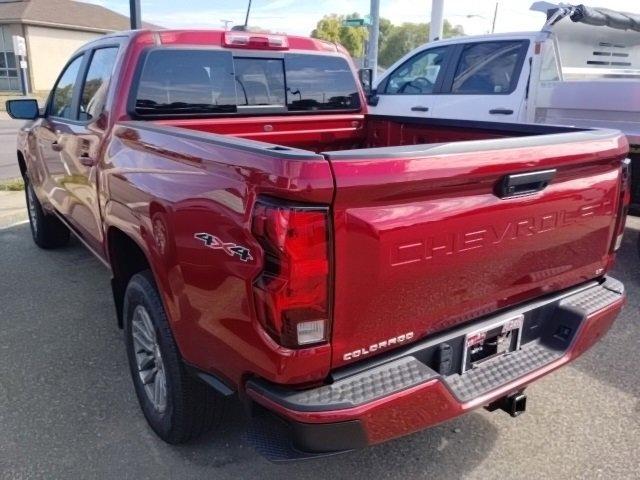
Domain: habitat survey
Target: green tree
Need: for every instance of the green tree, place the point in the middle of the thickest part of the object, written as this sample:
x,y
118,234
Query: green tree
x,y
328,28
404,38
331,28
393,42
386,27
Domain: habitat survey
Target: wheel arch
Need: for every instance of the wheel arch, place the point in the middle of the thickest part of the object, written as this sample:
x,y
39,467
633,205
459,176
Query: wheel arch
x,y
22,164
126,258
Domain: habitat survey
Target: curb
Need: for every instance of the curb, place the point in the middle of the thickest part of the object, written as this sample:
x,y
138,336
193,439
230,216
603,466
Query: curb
x,y
12,209
15,224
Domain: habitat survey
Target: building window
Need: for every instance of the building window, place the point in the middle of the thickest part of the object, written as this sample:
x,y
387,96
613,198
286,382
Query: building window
x,y
9,79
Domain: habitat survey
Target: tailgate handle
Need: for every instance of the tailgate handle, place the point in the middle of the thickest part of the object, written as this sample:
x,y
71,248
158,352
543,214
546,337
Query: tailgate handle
x,y
525,183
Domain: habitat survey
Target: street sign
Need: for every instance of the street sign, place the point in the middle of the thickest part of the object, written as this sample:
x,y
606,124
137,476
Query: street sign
x,y
356,22
19,46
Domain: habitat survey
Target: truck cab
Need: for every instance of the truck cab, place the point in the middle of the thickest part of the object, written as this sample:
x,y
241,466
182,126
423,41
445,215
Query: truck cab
x,y
476,78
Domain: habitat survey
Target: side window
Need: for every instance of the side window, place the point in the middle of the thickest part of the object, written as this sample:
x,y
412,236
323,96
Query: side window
x,y
62,98
549,71
419,74
96,83
488,68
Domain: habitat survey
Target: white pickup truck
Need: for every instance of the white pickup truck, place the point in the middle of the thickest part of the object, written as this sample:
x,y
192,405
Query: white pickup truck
x,y
581,69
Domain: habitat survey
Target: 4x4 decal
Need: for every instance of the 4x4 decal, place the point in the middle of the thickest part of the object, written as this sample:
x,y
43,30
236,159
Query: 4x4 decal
x,y
231,249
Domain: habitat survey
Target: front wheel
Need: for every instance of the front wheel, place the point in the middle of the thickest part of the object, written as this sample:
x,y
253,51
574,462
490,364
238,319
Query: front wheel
x,y
177,406
46,229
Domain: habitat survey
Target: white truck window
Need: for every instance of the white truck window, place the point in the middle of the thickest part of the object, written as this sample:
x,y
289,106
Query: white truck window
x,y
488,68
549,70
419,74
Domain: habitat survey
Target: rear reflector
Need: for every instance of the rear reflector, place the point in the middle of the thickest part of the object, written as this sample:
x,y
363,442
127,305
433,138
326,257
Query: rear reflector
x,y
618,242
291,293
623,202
258,41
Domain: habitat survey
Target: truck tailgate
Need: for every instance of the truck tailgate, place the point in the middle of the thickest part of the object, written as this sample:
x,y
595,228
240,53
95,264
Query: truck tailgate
x,y
424,243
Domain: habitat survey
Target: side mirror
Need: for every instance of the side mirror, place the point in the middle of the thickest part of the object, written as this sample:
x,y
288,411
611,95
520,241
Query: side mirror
x,y
23,109
366,80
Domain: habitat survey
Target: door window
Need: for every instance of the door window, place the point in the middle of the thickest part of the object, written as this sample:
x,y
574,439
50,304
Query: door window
x,y
489,68
96,84
419,74
62,101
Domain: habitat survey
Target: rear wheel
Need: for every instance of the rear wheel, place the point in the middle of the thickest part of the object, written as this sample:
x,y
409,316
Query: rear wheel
x,y
177,406
46,229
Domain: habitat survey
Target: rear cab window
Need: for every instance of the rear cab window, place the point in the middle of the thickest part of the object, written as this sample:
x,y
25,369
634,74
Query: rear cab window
x,y
181,81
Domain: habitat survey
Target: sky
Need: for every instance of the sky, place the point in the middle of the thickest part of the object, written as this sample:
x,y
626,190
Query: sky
x,y
300,17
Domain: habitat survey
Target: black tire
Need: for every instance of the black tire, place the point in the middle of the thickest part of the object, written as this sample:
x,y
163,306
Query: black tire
x,y
46,229
191,408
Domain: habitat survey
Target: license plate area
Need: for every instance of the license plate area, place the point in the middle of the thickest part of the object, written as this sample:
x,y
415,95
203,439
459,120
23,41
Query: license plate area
x,y
491,342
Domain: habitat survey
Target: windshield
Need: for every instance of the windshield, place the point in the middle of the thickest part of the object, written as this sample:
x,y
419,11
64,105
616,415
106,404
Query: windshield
x,y
201,82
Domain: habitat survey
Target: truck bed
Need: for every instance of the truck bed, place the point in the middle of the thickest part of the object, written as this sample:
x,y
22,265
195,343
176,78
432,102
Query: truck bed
x,y
424,239
355,131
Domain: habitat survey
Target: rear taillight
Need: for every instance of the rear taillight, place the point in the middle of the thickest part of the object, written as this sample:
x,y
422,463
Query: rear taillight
x,y
292,292
623,204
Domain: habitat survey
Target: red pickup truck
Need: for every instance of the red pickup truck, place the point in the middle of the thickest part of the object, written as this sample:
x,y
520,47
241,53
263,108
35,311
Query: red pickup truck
x,y
357,277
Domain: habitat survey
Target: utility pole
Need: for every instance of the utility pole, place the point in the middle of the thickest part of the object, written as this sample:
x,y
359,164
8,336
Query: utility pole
x,y
135,14
246,19
374,33
437,20
495,15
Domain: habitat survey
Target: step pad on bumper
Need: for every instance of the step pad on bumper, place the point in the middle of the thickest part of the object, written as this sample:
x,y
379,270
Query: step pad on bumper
x,y
555,322
363,388
501,371
593,299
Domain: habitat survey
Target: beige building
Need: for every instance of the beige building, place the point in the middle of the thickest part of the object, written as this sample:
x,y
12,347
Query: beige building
x,y
53,30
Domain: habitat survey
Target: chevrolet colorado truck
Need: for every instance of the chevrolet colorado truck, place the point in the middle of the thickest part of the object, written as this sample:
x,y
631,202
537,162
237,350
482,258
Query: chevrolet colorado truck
x,y
350,277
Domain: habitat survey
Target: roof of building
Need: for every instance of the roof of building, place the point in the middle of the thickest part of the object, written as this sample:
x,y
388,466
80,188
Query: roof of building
x,y
69,14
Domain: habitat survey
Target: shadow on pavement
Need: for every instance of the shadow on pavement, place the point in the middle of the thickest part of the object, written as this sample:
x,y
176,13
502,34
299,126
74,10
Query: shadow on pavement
x,y
614,360
67,408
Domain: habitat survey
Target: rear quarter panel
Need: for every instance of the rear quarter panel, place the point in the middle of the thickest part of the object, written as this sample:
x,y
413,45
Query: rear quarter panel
x,y
162,185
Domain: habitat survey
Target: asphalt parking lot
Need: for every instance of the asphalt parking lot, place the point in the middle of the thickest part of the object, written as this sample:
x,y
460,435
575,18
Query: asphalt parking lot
x,y
67,408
